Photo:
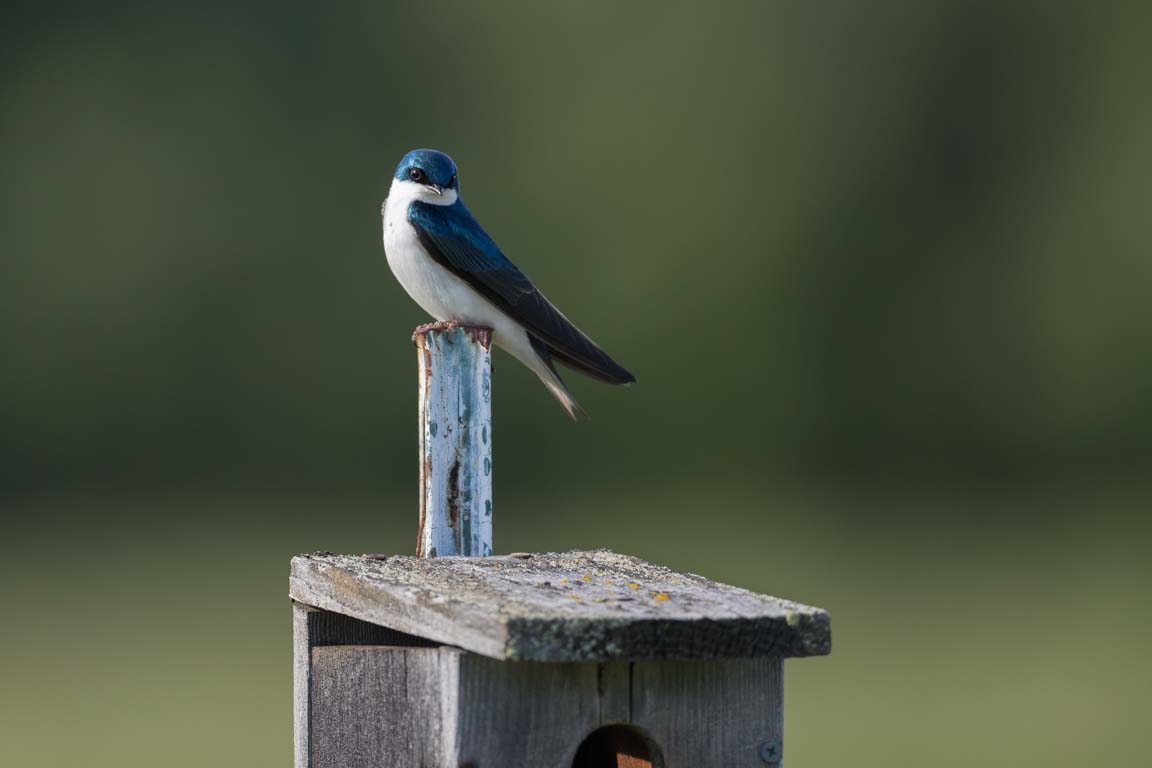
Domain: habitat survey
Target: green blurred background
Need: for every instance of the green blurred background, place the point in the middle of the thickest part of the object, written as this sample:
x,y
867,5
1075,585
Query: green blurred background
x,y
882,270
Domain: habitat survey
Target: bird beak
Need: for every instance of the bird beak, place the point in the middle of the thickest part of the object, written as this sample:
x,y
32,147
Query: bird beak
x,y
439,190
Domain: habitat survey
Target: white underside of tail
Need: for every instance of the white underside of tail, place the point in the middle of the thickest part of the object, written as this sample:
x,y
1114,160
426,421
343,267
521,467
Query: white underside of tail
x,y
445,296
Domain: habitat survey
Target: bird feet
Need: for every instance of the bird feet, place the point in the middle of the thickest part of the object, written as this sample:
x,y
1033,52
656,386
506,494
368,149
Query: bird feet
x,y
443,325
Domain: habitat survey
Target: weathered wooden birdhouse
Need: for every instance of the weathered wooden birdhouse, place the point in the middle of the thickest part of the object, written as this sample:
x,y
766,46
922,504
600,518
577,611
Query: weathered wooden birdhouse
x,y
558,660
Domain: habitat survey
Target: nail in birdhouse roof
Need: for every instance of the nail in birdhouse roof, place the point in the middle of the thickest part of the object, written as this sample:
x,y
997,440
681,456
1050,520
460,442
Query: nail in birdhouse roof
x,y
560,607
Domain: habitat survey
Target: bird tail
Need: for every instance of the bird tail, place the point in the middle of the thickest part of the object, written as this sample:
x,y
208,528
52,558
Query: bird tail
x,y
555,384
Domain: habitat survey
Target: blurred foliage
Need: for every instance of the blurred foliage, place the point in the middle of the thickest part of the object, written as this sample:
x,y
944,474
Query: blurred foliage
x,y
881,269
911,237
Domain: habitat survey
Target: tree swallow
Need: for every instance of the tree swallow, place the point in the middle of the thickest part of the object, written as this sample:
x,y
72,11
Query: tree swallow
x,y
451,267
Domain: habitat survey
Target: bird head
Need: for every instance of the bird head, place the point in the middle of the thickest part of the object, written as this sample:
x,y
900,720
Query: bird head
x,y
430,175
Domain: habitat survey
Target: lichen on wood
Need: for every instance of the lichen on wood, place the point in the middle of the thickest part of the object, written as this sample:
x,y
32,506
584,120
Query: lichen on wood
x,y
571,606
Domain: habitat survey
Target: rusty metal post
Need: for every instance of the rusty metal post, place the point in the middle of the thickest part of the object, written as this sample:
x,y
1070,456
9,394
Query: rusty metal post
x,y
455,440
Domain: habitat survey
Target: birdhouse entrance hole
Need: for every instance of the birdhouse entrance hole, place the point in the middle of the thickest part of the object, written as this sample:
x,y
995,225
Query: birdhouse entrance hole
x,y
618,746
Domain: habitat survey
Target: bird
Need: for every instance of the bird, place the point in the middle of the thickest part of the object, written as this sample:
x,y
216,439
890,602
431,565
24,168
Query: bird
x,y
449,265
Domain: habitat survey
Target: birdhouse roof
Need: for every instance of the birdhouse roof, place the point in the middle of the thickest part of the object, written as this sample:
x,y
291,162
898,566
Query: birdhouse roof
x,y
570,606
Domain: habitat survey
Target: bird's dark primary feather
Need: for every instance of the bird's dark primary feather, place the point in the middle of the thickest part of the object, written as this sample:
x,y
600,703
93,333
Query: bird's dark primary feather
x,y
454,238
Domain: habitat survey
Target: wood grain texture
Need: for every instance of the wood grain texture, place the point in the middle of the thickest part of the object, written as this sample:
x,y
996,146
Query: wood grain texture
x,y
312,628
615,692
573,606
327,628
372,705
522,714
455,403
716,713
381,706
301,684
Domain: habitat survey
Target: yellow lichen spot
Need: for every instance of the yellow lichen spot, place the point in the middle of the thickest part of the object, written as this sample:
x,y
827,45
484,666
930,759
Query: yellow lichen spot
x,y
586,578
660,597
575,597
633,585
563,581
495,567
609,583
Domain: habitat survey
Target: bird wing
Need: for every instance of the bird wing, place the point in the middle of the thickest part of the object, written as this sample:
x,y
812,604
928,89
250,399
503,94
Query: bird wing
x,y
457,242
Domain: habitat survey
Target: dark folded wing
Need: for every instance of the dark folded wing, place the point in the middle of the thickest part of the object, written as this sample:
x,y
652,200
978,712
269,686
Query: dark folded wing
x,y
456,241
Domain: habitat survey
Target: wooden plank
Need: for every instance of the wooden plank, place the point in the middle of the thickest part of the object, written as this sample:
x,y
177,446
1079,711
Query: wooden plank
x,y
718,713
455,440
516,714
573,606
301,684
327,628
379,706
614,682
382,705
313,628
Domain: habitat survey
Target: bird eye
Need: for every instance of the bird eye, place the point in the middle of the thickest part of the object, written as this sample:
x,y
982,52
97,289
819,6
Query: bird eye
x,y
452,182
416,174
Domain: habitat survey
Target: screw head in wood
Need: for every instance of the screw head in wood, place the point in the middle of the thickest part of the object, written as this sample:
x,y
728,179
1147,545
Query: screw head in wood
x,y
771,751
